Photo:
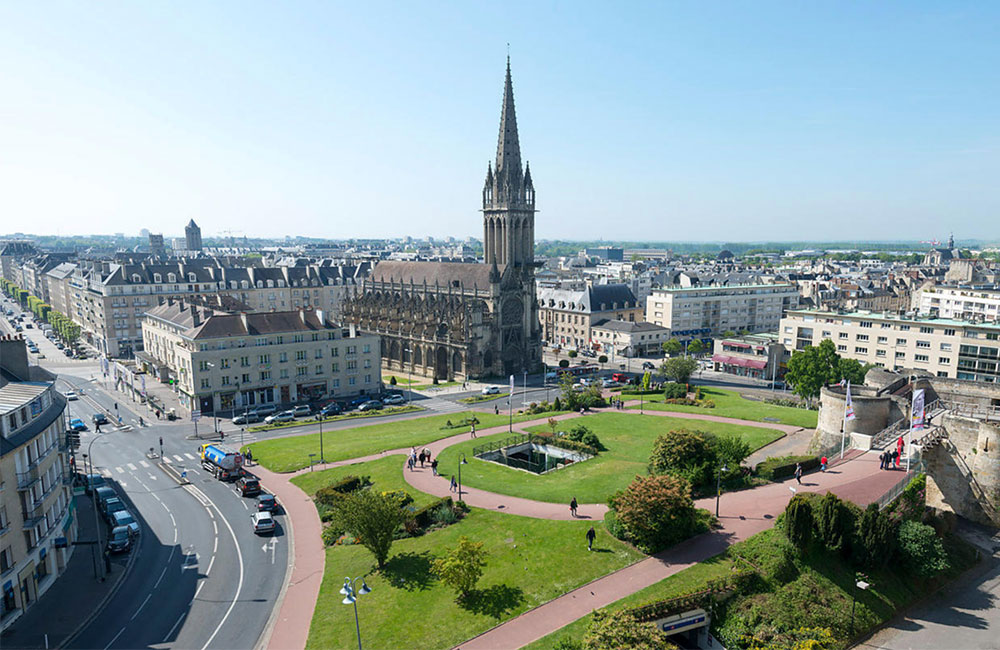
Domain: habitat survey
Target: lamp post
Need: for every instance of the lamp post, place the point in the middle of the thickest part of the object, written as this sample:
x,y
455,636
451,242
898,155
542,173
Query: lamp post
x,y
460,463
718,487
351,598
409,375
93,499
863,586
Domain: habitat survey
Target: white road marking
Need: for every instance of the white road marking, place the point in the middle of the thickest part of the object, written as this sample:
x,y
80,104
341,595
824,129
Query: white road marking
x,y
244,502
166,459
106,473
190,456
132,466
210,563
144,463
119,470
151,477
179,458
116,638
174,627
148,596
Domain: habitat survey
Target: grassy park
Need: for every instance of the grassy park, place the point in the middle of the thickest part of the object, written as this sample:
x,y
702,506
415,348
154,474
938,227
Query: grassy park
x,y
292,453
530,562
731,404
628,438
386,474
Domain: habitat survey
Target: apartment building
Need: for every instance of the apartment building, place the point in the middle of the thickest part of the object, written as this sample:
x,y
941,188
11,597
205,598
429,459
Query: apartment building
x,y
761,356
960,302
629,338
37,522
568,316
222,361
943,347
712,310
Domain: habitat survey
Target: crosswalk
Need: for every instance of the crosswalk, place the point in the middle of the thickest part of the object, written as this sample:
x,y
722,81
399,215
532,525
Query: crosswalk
x,y
109,472
439,405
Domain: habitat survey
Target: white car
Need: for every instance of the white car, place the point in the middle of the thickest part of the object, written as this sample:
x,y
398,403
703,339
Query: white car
x,y
284,416
491,390
71,395
391,400
262,522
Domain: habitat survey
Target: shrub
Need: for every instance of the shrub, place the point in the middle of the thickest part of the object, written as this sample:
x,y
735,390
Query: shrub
x,y
656,511
563,443
563,363
401,497
443,515
580,433
602,359
556,404
613,526
462,566
330,535
673,390
392,380
777,468
623,630
424,516
798,521
571,354
875,538
921,550
834,524
682,453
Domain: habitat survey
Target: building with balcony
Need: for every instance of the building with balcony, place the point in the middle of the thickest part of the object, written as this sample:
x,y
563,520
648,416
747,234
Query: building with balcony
x,y
972,303
568,316
37,513
223,361
712,310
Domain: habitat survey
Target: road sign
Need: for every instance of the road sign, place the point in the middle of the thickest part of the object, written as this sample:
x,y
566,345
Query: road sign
x,y
195,415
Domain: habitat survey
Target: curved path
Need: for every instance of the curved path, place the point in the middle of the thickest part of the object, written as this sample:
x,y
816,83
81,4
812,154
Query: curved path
x,y
743,513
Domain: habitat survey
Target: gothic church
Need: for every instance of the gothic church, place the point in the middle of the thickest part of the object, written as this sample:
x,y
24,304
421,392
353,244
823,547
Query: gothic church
x,y
455,321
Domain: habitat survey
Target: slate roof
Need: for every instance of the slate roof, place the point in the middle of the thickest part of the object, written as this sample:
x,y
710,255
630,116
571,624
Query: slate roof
x,y
628,327
601,297
215,324
440,273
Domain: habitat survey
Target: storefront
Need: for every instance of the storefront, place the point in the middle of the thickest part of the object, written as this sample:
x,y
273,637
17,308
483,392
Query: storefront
x,y
310,392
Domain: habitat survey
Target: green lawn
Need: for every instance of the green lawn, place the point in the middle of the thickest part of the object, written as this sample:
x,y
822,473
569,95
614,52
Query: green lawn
x,y
531,561
687,581
352,415
730,404
400,381
386,474
629,440
292,453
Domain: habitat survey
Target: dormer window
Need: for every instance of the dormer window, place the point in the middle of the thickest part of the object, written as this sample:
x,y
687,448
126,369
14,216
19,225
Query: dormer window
x,y
157,278
244,284
232,284
281,283
136,278
192,277
270,284
171,277
260,285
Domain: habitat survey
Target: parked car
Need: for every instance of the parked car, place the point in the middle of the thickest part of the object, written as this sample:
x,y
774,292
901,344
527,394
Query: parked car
x,y
28,325
71,395
100,418
248,486
267,503
120,540
111,506
390,400
102,493
333,408
578,387
284,416
301,410
60,345
648,365
125,518
76,424
609,383
247,418
371,405
265,410
262,523
358,401
93,481
68,352
490,390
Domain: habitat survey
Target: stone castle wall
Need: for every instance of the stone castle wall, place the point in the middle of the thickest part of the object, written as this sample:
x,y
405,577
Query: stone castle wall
x,y
963,472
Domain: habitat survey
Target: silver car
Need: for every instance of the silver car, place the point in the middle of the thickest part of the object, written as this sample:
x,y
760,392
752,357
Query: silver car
x,y
125,518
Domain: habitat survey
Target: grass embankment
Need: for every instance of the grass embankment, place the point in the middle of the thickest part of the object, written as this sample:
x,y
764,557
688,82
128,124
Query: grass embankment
x,y
628,440
352,415
386,474
292,453
530,562
731,404
810,590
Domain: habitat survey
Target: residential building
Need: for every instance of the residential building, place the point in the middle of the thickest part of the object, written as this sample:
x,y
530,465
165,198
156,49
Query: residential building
x,y
222,361
761,356
629,338
974,303
568,316
606,253
712,310
942,347
37,514
156,246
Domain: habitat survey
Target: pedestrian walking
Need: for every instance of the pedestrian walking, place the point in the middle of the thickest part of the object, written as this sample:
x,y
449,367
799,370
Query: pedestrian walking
x,y
473,428
572,507
591,534
822,464
427,454
434,467
422,459
900,445
798,472
496,409
895,459
409,463
881,460
454,483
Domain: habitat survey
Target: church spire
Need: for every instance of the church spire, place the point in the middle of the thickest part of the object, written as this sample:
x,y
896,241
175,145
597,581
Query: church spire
x,y
508,147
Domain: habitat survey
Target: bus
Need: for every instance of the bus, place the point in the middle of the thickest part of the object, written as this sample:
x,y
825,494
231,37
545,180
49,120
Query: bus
x,y
579,371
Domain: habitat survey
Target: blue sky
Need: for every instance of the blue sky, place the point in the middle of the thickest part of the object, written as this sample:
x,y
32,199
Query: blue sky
x,y
652,121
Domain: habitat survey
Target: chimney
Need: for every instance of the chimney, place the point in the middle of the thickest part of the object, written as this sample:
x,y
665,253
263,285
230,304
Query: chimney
x,y
353,329
302,316
319,316
195,316
170,301
243,319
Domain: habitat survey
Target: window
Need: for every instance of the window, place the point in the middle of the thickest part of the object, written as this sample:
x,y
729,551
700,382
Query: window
x,y
368,379
319,353
926,330
944,360
300,355
351,381
886,326
265,358
244,361
319,370
261,341
300,372
352,349
883,339
904,328
946,347
842,348
900,341
205,383
335,367
826,333
283,357
297,338
265,375
861,337
992,336
366,348
224,363
949,332
879,353
334,352
284,373
900,355
352,365
924,344
860,350
920,358
866,324
334,383
203,366
246,378
367,363
225,380
843,335
942,373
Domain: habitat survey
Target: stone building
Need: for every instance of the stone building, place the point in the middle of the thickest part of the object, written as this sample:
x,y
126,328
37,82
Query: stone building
x,y
192,236
456,320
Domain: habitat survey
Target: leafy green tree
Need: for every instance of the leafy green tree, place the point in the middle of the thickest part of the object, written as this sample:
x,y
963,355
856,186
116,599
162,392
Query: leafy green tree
x,y
564,363
679,369
672,347
695,347
729,451
921,550
852,370
461,567
656,511
571,354
812,368
728,334
683,453
798,522
392,380
875,543
645,381
602,359
834,524
621,631
373,518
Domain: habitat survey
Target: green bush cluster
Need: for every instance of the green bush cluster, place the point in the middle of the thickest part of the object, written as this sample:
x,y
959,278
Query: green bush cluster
x,y
777,468
699,457
673,390
791,403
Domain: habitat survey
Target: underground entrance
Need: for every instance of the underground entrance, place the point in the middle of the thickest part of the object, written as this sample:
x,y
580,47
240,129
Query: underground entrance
x,y
534,454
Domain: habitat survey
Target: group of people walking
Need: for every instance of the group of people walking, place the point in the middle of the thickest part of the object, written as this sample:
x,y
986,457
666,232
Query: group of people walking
x,y
423,457
617,403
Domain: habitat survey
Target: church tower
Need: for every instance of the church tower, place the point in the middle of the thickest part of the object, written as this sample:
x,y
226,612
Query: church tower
x,y
509,196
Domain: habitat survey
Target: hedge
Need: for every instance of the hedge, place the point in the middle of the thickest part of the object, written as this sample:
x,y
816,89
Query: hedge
x,y
781,467
423,515
563,443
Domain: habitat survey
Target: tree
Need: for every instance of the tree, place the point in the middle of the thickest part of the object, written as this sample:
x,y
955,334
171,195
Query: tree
x,y
392,380
853,370
921,550
682,453
602,359
645,380
833,523
812,368
571,354
656,511
876,538
373,518
679,369
672,347
728,333
564,363
799,521
618,630
695,347
461,567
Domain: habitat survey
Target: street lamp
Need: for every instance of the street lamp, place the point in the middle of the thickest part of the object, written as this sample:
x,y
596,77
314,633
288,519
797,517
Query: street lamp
x,y
718,487
351,598
863,586
93,499
462,462
409,375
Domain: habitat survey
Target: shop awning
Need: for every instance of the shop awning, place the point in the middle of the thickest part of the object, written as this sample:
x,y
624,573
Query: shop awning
x,y
737,361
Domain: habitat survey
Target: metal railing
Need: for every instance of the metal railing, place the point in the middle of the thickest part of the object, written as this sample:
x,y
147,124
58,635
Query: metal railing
x,y
899,486
891,432
499,445
969,409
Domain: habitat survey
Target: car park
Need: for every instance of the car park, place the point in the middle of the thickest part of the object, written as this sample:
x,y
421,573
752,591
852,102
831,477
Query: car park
x,y
301,410
76,424
248,418
262,523
284,416
111,506
120,540
358,401
394,399
248,486
370,405
71,395
267,503
332,408
125,518
100,418
490,390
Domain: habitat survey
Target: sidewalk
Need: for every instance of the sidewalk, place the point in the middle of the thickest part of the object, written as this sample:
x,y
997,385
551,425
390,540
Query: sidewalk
x,y
75,597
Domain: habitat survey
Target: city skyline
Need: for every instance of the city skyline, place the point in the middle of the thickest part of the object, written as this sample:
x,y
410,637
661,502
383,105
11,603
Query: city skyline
x,y
828,124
